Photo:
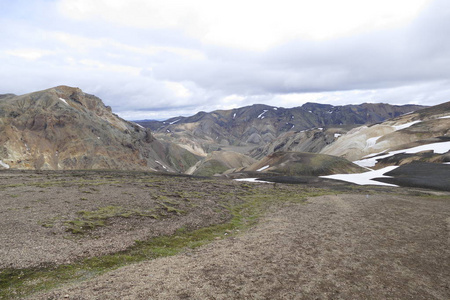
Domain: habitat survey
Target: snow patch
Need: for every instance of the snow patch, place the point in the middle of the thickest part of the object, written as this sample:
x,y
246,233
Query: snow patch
x,y
4,165
374,154
336,135
160,164
251,180
436,147
408,113
444,117
63,100
275,108
234,116
261,114
171,123
406,125
262,169
372,141
364,178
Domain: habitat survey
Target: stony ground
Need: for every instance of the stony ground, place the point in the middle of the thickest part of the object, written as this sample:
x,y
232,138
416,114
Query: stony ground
x,y
361,244
45,217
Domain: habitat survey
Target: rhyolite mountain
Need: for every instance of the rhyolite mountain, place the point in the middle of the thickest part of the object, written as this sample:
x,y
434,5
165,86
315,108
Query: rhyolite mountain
x,y
257,125
65,128
410,150
426,126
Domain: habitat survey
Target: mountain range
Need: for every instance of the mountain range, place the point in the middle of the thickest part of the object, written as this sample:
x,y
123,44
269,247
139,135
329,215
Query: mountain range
x,y
258,124
63,128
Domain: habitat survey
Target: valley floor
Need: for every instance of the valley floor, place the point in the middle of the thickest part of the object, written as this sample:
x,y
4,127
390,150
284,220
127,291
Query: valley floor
x,y
365,243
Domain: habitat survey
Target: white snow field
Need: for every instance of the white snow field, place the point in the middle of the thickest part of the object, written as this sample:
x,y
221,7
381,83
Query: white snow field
x,y
364,178
371,160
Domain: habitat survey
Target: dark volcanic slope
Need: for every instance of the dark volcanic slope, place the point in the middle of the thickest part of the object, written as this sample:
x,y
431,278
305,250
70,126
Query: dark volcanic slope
x,y
259,124
65,128
425,175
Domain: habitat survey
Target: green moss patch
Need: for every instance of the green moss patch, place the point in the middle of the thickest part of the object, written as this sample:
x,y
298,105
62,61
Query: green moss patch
x,y
89,220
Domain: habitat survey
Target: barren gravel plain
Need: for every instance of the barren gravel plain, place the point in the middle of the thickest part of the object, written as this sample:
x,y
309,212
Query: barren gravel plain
x,y
134,235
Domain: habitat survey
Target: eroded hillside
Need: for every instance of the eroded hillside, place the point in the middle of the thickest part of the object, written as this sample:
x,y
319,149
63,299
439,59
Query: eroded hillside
x,y
65,128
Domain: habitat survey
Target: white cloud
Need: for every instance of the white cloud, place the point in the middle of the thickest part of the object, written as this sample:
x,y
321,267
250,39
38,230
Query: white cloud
x,y
29,54
178,89
250,24
108,67
169,58
80,43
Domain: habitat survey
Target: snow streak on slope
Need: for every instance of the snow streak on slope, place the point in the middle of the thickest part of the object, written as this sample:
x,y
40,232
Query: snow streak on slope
x,y
262,169
406,125
4,165
261,114
63,100
372,141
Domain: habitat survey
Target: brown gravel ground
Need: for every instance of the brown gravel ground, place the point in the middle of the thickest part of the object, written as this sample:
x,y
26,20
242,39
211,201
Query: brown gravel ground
x,y
35,206
387,243
347,246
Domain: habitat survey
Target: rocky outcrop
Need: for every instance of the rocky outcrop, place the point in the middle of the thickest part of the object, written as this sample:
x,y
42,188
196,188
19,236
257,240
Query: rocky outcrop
x,y
65,128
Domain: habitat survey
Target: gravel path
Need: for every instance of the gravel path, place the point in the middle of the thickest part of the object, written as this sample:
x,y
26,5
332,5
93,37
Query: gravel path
x,y
333,247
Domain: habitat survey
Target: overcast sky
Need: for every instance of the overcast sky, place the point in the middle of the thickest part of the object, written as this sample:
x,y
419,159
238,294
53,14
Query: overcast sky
x,y
155,59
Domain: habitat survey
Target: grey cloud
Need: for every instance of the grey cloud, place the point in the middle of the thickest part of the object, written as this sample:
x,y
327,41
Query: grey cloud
x,y
414,54
407,64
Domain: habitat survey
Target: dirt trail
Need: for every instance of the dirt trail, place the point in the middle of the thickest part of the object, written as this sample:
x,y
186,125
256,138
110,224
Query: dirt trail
x,y
333,247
